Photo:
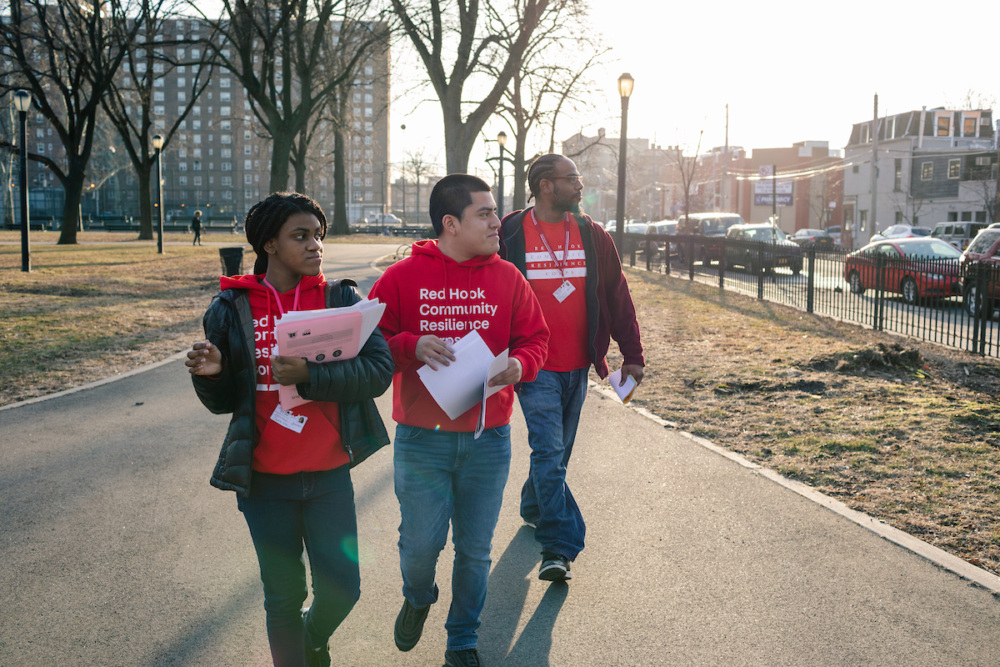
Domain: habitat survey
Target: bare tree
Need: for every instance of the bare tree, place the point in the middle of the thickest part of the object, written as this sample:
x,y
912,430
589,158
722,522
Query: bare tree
x,y
417,166
285,54
552,75
66,55
687,168
471,45
129,102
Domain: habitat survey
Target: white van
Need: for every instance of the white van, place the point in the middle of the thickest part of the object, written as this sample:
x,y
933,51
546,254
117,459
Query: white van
x,y
959,234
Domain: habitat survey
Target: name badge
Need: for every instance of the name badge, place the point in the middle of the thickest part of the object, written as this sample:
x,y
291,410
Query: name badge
x,y
288,420
564,291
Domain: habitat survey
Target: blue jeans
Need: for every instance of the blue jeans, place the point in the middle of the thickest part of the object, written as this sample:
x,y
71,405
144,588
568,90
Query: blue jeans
x,y
551,406
442,476
285,512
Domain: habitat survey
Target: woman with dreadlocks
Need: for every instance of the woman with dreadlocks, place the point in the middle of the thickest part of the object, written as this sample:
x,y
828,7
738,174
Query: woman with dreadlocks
x,y
291,469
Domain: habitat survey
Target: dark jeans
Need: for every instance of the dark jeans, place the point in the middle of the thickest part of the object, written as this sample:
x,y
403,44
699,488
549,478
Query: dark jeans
x,y
285,513
551,406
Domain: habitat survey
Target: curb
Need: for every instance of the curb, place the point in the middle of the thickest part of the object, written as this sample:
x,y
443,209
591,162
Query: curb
x,y
939,557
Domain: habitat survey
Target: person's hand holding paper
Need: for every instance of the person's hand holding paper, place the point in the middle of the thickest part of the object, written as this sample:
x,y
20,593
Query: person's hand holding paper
x,y
510,375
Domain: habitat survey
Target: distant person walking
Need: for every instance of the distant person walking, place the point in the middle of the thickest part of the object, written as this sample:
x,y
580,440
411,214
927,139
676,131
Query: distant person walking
x,y
196,228
291,469
574,270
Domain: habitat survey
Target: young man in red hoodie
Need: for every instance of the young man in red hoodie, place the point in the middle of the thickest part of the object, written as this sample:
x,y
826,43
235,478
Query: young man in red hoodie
x,y
447,288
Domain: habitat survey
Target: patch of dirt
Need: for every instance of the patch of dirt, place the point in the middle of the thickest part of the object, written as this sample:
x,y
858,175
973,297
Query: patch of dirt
x,y
905,431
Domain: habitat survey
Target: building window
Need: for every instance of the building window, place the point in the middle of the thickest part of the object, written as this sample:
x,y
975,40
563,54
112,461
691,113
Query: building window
x,y
197,180
227,180
943,126
182,166
898,178
157,95
182,180
926,171
954,168
247,179
969,127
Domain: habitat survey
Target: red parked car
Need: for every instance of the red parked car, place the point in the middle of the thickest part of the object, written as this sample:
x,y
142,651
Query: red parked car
x,y
917,268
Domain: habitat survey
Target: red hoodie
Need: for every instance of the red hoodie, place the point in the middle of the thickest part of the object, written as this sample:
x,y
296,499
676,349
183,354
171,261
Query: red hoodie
x,y
281,450
430,293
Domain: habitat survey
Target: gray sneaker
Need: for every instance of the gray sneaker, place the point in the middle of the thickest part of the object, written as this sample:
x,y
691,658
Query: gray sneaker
x,y
554,568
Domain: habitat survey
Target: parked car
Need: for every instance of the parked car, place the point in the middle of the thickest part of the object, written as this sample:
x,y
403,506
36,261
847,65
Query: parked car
x,y
663,228
711,225
917,268
959,234
980,266
743,248
835,233
901,232
813,238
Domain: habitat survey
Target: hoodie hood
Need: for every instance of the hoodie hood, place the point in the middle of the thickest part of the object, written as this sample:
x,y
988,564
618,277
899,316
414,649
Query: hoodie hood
x,y
255,282
430,248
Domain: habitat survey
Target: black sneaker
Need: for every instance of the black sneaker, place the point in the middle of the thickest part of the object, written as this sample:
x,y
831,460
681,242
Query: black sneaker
x,y
466,658
555,567
316,656
409,625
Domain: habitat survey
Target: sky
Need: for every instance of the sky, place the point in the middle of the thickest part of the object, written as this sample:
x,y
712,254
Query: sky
x,y
789,71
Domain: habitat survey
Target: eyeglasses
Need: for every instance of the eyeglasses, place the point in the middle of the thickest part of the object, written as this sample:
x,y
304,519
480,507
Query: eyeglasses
x,y
572,179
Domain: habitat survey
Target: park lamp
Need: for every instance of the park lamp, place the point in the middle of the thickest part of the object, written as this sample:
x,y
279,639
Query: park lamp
x,y
625,84
22,100
158,146
502,139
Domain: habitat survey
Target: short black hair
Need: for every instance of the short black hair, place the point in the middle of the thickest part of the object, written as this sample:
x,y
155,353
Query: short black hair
x,y
452,195
265,218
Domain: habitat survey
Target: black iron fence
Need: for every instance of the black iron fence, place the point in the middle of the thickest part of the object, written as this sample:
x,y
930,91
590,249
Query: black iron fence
x,y
932,299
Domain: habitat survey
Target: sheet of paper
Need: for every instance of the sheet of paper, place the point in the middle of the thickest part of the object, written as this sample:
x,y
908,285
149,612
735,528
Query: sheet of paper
x,y
324,335
458,387
625,392
498,366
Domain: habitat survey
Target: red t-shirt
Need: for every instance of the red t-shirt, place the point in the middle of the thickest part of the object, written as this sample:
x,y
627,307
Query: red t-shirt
x,y
567,319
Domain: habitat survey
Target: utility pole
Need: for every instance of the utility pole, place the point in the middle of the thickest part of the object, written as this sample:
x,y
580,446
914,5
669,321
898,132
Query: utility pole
x,y
725,166
874,187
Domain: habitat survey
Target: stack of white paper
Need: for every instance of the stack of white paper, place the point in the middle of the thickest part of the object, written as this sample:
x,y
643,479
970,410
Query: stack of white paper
x,y
324,335
458,387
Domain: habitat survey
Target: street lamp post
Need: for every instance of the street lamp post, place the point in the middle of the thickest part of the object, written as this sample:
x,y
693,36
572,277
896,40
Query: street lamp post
x,y
502,141
158,147
625,83
22,101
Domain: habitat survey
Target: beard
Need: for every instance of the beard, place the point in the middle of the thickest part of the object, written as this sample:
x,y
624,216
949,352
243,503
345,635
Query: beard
x,y
576,208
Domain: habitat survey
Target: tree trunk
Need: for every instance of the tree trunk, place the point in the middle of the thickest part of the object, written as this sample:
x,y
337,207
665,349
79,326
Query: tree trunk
x,y
73,187
340,222
281,143
520,196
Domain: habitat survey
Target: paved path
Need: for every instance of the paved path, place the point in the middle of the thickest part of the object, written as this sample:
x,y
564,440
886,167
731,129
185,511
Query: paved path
x,y
116,551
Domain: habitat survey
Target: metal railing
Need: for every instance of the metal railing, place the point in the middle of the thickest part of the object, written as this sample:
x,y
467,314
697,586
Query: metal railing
x,y
930,299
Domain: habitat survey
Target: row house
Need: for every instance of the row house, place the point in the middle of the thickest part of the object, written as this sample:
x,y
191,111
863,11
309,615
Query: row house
x,y
933,165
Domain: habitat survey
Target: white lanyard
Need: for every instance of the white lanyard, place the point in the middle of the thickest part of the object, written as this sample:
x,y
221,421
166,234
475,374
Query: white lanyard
x,y
545,243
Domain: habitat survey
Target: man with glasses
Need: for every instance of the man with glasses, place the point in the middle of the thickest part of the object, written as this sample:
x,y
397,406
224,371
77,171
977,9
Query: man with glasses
x,y
574,269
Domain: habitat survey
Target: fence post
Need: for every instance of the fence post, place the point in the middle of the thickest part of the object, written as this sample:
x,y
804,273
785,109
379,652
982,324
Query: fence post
x,y
880,264
690,258
722,265
666,251
983,309
760,270
811,280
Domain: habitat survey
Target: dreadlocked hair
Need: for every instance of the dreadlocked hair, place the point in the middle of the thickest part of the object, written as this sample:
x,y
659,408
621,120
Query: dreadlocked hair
x,y
543,167
265,218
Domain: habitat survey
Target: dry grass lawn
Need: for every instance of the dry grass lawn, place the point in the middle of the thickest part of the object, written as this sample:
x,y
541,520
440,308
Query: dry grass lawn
x,y
904,431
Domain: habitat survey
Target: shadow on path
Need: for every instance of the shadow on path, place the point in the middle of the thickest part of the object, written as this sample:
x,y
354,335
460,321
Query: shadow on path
x,y
509,585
